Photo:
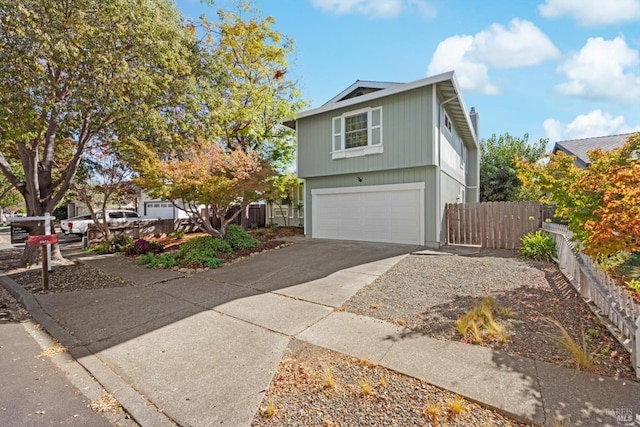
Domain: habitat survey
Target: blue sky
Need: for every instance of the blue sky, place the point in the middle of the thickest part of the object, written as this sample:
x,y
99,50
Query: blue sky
x,y
557,69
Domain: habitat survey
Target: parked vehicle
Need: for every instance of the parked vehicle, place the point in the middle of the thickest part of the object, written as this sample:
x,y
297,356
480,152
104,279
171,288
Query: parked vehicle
x,y
80,224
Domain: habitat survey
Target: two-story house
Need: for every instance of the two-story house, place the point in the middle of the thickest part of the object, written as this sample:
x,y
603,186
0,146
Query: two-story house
x,y
381,160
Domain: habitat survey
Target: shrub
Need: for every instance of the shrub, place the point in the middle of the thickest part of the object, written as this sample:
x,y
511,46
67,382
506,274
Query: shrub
x,y
213,262
142,246
152,260
583,357
239,239
612,262
199,250
121,243
116,244
178,234
634,284
479,322
539,246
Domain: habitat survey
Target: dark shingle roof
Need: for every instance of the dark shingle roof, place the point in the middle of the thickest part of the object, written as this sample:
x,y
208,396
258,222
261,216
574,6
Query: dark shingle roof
x,y
579,147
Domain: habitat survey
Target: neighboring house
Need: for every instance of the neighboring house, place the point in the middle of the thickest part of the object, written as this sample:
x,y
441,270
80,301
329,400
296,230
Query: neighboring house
x,y
159,208
580,147
381,160
288,212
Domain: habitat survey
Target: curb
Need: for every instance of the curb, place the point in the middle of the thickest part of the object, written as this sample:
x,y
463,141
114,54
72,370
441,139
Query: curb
x,y
85,370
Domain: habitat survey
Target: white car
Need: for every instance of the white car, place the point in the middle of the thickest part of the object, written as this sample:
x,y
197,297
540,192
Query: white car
x,y
80,224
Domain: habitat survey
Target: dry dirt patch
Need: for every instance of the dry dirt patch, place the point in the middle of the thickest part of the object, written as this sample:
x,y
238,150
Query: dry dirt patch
x,y
427,293
317,387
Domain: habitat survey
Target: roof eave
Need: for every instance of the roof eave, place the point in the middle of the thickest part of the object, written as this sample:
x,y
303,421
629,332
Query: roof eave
x,y
379,94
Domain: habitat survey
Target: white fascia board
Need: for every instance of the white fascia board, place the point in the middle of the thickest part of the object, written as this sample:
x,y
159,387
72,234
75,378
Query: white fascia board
x,y
380,94
454,81
360,83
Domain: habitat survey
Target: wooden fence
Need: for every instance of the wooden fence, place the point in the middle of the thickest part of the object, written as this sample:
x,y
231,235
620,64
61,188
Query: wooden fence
x,y
151,227
257,216
495,225
605,298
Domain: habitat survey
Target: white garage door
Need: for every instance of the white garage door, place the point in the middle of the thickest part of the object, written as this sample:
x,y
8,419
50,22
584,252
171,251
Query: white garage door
x,y
162,210
379,213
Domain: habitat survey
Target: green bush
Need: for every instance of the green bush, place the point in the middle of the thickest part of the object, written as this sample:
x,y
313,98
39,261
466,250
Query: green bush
x,y
239,239
612,262
115,244
179,234
151,260
539,246
634,284
199,249
213,262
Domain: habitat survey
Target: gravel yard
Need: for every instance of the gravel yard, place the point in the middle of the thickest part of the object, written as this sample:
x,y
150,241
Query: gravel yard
x,y
427,293
318,387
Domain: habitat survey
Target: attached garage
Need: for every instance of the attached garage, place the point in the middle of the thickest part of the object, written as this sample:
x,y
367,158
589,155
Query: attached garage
x,y
378,213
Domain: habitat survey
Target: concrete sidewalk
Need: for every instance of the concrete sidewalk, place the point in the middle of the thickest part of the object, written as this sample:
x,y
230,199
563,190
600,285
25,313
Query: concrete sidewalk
x,y
202,349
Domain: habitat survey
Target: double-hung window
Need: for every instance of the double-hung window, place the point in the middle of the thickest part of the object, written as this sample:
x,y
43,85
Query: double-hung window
x,y
357,133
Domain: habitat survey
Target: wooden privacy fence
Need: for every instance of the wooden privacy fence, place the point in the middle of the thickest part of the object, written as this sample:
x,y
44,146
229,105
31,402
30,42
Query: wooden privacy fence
x,y
494,225
605,298
257,216
144,227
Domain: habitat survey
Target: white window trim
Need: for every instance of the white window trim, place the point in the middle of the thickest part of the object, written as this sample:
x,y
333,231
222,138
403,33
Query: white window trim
x,y
280,212
446,119
345,153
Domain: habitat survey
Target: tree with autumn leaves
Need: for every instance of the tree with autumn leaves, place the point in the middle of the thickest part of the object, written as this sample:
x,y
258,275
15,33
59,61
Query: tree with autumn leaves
x,y
601,203
236,142
207,180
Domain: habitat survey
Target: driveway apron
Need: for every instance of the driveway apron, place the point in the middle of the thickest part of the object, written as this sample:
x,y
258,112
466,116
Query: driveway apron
x,y
203,348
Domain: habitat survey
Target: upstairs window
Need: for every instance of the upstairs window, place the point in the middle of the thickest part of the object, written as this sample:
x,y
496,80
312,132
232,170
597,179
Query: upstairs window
x,y
357,133
447,122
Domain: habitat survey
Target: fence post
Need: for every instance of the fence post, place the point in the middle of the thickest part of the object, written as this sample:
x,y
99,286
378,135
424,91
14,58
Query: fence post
x,y
635,354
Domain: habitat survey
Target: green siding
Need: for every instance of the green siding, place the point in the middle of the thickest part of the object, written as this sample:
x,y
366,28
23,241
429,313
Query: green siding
x,y
407,137
428,175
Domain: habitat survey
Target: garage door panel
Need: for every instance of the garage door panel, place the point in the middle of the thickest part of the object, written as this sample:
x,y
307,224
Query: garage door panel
x,y
386,213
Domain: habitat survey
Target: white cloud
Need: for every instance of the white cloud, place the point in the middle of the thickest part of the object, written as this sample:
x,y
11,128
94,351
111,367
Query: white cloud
x,y
603,70
520,44
453,54
376,8
595,123
593,12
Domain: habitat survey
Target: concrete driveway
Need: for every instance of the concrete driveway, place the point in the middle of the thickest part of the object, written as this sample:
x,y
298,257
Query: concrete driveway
x,y
202,349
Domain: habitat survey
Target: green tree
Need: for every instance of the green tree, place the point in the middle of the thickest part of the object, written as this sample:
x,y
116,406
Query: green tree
x,y
242,98
281,191
244,88
77,73
107,179
9,196
498,178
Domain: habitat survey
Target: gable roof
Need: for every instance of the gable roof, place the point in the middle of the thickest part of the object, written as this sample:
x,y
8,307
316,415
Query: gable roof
x,y
580,147
447,87
359,88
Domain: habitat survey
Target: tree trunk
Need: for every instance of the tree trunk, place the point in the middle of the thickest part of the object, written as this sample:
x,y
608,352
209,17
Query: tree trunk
x,y
244,219
32,255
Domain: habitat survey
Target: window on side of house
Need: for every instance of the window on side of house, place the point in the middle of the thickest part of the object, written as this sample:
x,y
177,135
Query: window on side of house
x,y
447,122
357,133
